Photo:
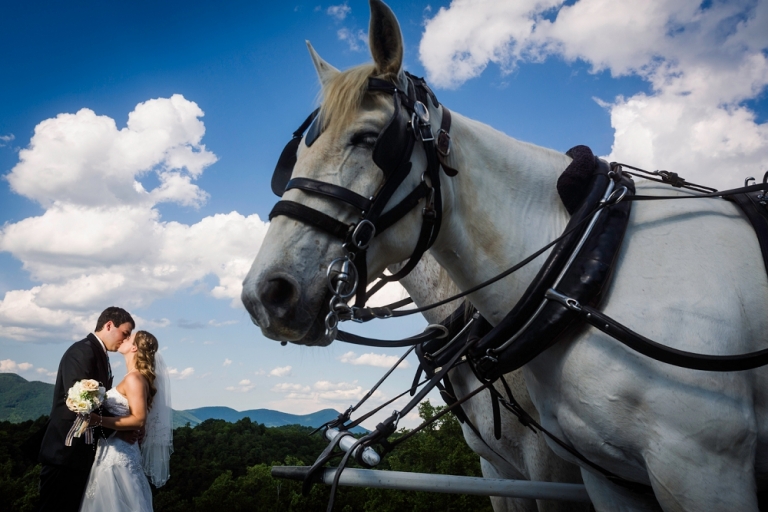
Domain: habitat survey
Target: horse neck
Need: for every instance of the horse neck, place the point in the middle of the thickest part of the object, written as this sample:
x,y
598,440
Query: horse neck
x,y
502,206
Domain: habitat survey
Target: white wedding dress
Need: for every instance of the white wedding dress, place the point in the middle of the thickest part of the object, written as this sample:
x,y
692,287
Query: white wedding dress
x,y
117,482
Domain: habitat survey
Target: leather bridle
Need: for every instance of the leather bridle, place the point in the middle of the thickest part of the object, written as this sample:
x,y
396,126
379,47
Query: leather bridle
x,y
409,124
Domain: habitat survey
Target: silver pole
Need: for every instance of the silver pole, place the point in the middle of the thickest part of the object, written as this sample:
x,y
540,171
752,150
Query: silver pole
x,y
450,484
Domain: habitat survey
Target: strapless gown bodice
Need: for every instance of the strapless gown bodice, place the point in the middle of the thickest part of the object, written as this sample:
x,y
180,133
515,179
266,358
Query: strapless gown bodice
x,y
117,482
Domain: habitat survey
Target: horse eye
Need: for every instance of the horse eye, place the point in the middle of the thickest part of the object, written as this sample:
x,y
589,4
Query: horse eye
x,y
364,140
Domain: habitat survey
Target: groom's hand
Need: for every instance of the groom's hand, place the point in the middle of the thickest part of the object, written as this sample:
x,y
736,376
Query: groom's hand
x,y
130,436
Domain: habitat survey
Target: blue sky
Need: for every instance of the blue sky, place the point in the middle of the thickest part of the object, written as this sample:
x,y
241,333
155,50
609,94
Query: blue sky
x,y
194,102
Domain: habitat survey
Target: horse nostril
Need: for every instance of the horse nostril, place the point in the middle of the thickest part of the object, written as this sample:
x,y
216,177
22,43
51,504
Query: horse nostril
x,y
278,295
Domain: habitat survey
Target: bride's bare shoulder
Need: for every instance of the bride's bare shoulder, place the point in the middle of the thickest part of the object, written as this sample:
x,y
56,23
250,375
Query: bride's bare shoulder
x,y
132,383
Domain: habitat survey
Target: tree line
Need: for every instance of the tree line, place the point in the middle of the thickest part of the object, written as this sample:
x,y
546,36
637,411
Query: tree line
x,y
225,466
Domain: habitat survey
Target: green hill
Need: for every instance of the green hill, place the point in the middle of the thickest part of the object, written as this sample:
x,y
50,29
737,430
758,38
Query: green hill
x,y
22,400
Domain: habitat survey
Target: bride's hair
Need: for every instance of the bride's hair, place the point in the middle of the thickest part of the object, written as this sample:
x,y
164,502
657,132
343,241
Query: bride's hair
x,y
146,344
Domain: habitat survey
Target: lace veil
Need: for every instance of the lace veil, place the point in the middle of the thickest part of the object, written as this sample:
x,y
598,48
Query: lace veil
x,y
157,446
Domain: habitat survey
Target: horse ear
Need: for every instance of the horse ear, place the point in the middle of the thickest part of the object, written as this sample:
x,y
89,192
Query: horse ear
x,y
325,72
385,39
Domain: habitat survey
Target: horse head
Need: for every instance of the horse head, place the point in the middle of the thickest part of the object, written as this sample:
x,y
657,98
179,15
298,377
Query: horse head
x,y
360,159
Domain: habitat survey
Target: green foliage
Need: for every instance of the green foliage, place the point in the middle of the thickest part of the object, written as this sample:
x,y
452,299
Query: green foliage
x,y
225,466
19,475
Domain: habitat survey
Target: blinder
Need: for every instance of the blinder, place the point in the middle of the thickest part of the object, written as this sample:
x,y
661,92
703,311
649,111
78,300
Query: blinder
x,y
287,160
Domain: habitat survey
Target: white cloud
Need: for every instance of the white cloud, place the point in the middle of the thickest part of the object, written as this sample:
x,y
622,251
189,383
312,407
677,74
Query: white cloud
x,y
11,366
214,323
180,375
338,12
280,371
243,386
326,392
227,362
46,373
101,239
357,39
5,139
285,387
702,63
371,359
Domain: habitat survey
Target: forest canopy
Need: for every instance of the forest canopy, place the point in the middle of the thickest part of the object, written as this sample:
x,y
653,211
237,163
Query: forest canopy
x,y
225,466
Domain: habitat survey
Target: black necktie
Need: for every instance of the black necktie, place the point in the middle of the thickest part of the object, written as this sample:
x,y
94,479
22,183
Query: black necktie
x,y
109,369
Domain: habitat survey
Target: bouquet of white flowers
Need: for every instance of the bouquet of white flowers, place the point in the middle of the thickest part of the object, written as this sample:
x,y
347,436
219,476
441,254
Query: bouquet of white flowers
x,y
83,398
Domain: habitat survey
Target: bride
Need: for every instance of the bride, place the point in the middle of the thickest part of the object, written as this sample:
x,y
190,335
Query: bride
x,y
140,402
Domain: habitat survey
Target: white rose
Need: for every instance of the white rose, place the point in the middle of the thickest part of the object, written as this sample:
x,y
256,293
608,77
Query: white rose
x,y
89,385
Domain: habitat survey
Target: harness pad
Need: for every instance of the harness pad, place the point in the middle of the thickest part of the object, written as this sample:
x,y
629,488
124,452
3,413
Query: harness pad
x,y
585,279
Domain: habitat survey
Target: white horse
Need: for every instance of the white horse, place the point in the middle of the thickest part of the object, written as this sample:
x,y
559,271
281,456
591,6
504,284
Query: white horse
x,y
520,453
690,274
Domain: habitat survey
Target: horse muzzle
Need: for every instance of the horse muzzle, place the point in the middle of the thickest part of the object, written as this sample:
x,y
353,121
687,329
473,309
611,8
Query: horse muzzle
x,y
277,304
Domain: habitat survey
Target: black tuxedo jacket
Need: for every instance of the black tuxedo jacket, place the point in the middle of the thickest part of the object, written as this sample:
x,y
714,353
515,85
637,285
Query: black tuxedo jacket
x,y
85,359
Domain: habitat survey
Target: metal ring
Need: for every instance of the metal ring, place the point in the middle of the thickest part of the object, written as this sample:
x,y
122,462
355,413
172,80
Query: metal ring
x,y
620,192
357,232
330,280
331,321
573,304
440,327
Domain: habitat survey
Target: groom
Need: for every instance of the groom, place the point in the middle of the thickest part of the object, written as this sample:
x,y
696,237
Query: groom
x,y
65,468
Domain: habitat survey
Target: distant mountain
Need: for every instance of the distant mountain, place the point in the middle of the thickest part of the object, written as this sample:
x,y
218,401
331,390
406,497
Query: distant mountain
x,y
267,417
22,400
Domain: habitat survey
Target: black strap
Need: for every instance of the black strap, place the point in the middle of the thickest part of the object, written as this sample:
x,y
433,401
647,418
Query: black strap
x,y
721,193
659,352
444,143
312,217
398,211
429,334
330,190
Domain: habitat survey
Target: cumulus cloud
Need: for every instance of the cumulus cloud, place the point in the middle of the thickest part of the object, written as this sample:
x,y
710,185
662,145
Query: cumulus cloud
x,y
11,366
327,392
371,359
281,371
46,373
101,239
702,61
227,362
181,375
338,12
243,386
285,387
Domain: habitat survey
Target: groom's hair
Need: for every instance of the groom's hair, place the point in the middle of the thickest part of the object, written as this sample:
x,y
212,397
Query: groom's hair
x,y
118,316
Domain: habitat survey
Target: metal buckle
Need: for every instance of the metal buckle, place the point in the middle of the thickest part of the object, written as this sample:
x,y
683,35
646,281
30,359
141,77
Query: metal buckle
x,y
356,233
420,122
443,142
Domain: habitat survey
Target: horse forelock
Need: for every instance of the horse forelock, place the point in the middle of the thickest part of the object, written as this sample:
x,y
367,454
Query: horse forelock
x,y
344,95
